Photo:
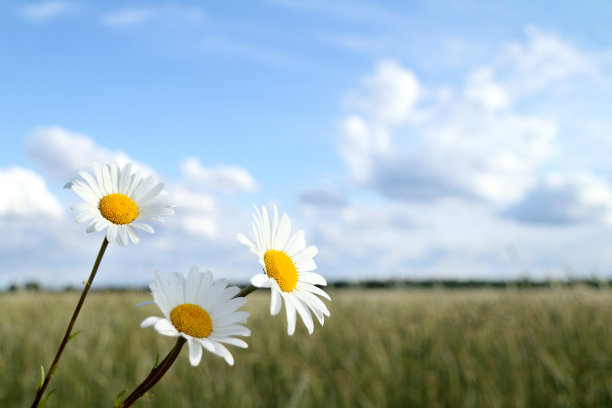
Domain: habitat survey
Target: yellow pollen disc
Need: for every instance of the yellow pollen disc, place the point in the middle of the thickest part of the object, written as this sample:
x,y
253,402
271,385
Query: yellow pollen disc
x,y
118,208
280,267
192,320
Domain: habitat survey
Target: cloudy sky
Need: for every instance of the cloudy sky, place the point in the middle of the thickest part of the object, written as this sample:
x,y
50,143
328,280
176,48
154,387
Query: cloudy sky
x,y
416,139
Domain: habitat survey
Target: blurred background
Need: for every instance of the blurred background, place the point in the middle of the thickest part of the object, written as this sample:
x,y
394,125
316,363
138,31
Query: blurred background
x,y
416,140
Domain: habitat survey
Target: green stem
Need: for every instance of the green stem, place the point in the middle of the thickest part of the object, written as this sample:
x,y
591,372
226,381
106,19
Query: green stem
x,y
158,372
244,292
68,334
155,375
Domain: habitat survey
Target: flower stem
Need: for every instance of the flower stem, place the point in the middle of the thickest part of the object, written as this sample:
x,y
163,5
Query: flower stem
x,y
68,334
158,372
244,292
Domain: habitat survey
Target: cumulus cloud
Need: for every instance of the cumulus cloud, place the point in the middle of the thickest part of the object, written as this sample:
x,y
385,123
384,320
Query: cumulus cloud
x,y
566,198
25,194
389,95
483,90
45,11
326,196
465,149
202,231
195,212
60,153
409,143
224,178
543,61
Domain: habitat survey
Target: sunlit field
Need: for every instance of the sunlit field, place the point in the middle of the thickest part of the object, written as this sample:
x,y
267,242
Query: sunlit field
x,y
379,348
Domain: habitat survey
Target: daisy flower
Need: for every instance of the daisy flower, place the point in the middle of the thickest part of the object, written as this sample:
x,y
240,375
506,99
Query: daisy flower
x,y
118,200
203,312
288,267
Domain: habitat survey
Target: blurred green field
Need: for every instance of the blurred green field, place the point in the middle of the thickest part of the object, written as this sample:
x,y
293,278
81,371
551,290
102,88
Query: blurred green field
x,y
385,348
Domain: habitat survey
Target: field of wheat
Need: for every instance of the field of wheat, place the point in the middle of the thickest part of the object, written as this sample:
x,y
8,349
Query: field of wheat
x,y
379,348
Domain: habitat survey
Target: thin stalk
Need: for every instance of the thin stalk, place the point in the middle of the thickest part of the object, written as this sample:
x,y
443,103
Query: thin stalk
x,y
68,334
158,372
155,375
244,292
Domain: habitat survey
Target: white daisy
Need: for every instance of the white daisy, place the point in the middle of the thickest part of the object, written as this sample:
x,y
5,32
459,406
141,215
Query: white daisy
x,y
117,200
201,311
288,267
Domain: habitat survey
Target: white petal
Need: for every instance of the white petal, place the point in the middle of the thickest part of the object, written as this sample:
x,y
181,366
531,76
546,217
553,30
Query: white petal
x,y
233,330
207,344
312,278
314,289
150,321
205,285
194,280
312,301
112,231
166,328
284,230
195,352
305,254
132,234
306,265
231,318
296,243
229,305
275,301
213,294
231,340
260,280
84,216
246,241
303,311
91,227
224,352
144,227
273,243
290,309
124,178
122,237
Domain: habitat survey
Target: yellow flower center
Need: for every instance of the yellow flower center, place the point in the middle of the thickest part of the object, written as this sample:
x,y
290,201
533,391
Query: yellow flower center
x,y
280,267
118,208
192,320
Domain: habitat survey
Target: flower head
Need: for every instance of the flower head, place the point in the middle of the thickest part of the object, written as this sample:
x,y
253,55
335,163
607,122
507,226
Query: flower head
x,y
201,311
118,200
288,267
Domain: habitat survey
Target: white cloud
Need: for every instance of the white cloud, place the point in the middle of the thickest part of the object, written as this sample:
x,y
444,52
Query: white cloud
x,y
202,231
464,145
25,194
224,178
412,142
387,97
544,61
61,153
463,164
195,212
45,11
482,89
356,146
327,196
566,198
128,17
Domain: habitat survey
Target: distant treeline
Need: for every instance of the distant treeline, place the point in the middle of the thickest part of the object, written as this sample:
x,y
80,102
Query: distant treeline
x,y
369,284
469,284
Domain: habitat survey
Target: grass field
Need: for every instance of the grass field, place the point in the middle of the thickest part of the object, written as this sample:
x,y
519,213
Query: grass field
x,y
387,348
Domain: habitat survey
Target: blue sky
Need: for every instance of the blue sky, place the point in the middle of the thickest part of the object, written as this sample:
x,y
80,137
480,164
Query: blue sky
x,y
434,139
